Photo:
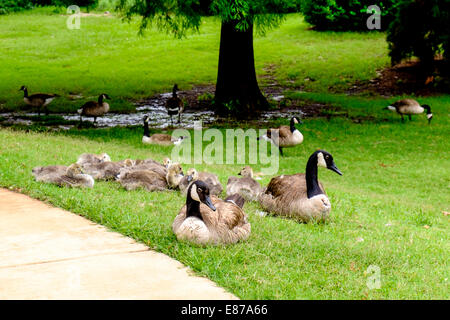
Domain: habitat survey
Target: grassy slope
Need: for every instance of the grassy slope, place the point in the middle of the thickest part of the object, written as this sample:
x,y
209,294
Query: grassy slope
x,y
107,55
393,174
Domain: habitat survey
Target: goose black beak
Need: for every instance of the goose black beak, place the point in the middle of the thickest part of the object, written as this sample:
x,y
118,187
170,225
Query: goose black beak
x,y
189,178
335,169
209,203
429,119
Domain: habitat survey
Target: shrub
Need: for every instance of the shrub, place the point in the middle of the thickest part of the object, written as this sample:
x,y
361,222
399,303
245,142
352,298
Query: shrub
x,y
342,15
7,6
421,28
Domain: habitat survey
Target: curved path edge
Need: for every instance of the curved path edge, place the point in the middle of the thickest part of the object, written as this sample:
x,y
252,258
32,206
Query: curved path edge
x,y
50,253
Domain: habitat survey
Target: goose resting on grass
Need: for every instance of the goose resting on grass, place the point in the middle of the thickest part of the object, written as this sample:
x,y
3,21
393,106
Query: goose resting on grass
x,y
300,196
210,220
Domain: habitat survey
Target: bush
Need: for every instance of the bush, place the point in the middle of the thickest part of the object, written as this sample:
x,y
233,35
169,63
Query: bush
x,y
343,15
7,6
421,28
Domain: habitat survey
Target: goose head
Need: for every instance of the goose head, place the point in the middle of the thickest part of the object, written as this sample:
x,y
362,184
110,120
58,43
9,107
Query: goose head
x,y
174,175
429,114
325,159
177,141
191,175
246,171
146,118
23,88
74,169
167,162
198,193
296,120
104,157
105,96
175,88
128,163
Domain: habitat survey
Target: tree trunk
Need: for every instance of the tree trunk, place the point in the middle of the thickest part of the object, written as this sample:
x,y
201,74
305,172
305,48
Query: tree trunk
x,y
237,90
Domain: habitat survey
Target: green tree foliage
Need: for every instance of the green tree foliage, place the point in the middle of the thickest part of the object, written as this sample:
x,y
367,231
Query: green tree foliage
x,y
7,6
180,16
343,15
422,29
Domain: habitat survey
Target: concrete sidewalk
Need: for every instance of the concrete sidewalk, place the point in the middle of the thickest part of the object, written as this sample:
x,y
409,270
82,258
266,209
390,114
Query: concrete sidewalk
x,y
49,253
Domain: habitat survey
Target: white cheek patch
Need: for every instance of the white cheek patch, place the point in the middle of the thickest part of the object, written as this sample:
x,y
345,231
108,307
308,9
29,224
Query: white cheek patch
x,y
320,160
392,108
194,194
429,115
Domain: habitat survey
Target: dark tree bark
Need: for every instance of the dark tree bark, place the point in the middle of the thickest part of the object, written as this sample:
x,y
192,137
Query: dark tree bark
x,y
237,90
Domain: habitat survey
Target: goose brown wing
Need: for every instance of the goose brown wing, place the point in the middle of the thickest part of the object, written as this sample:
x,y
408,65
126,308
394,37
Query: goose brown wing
x,y
161,137
293,185
406,103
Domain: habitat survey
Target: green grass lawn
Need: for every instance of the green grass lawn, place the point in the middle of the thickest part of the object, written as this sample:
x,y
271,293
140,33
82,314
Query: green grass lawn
x,y
108,55
388,207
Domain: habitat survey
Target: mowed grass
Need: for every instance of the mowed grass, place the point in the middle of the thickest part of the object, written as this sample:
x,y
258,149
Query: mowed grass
x,y
388,209
108,55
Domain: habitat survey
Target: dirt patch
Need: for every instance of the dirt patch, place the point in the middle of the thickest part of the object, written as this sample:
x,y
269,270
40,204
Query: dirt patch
x,y
404,79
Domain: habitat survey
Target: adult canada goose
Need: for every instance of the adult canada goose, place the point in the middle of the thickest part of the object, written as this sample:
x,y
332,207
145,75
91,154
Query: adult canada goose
x,y
106,170
410,107
210,220
300,196
174,175
174,105
37,100
159,138
92,158
246,186
285,136
72,177
94,108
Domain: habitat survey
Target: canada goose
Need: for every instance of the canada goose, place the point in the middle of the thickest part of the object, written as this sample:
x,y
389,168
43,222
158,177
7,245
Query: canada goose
x,y
159,138
45,173
409,107
106,170
94,109
92,158
72,177
288,136
190,176
174,105
246,186
210,220
167,162
148,165
147,179
174,175
300,196
37,100
215,187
